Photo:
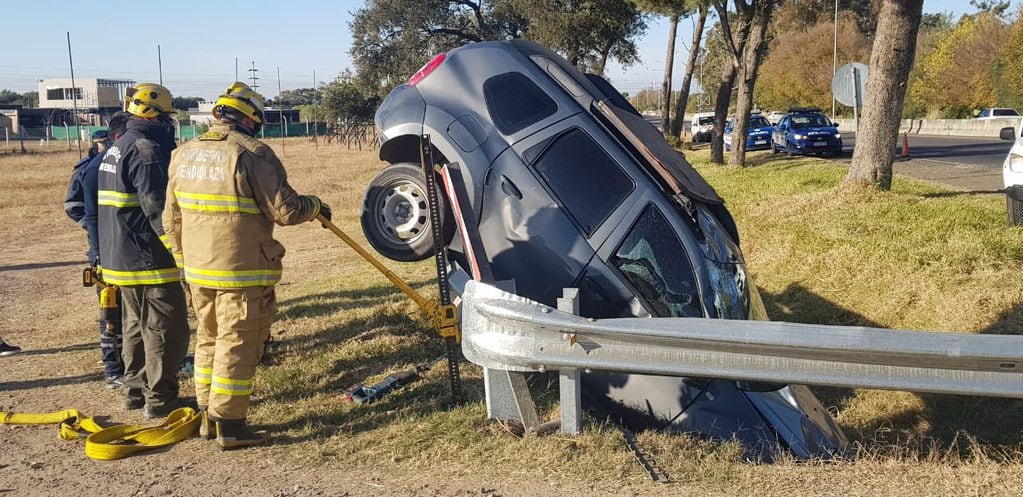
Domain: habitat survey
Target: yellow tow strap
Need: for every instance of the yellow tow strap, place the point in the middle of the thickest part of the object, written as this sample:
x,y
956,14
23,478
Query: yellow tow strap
x,y
117,441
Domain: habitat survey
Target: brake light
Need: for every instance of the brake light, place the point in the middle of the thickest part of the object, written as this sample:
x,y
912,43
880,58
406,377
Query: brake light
x,y
425,71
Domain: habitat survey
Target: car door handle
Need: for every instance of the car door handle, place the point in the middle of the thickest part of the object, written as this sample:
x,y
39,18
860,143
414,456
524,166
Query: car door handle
x,y
509,188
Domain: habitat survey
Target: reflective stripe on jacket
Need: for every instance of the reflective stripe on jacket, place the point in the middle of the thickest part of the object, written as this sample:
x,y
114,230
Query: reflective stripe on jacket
x,y
132,186
227,190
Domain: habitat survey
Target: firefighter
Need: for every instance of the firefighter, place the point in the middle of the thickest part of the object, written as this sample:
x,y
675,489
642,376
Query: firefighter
x,y
135,255
80,206
227,190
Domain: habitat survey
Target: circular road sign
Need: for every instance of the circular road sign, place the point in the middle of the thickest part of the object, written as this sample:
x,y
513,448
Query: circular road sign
x,y
848,84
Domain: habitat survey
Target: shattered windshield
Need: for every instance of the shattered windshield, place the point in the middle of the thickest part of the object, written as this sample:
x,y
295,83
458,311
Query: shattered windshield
x,y
655,263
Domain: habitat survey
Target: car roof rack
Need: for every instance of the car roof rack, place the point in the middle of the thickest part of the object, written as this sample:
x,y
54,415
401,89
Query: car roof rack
x,y
803,110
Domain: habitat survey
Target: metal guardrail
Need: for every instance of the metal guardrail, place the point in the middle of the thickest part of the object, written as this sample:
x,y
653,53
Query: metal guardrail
x,y
503,331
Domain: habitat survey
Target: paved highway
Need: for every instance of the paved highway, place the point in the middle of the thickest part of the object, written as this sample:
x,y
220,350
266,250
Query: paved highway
x,y
965,163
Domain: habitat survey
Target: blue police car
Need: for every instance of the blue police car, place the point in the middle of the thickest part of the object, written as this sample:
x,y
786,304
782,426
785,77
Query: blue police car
x,y
806,131
758,135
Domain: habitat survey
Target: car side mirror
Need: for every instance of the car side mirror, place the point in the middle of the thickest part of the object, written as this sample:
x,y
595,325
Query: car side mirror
x,y
836,125
1007,133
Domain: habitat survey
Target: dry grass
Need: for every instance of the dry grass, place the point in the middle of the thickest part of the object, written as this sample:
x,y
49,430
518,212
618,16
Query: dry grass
x,y
915,258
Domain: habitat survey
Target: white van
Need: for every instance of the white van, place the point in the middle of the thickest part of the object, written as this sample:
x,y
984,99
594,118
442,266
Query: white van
x,y
702,126
1012,175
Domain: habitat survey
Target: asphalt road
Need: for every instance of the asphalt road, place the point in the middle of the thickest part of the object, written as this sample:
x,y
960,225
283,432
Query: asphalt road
x,y
965,163
958,150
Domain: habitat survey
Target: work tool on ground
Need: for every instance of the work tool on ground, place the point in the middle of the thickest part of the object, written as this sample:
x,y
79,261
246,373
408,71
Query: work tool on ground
x,y
362,394
108,443
107,297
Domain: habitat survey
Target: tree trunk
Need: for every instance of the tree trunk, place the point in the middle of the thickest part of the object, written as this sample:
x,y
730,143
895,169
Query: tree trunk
x,y
669,63
682,102
605,52
747,75
890,62
717,146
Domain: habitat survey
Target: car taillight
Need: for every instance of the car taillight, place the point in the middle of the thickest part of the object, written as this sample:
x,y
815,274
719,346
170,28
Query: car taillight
x,y
425,71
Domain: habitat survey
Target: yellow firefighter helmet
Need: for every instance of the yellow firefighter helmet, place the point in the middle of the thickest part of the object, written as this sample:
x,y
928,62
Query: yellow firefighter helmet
x,y
240,97
148,100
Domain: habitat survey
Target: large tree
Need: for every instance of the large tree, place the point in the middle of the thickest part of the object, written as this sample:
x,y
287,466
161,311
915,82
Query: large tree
x,y
747,48
393,38
673,10
682,102
890,62
27,99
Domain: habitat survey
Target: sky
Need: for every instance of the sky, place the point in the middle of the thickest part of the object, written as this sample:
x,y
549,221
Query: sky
x,y
199,42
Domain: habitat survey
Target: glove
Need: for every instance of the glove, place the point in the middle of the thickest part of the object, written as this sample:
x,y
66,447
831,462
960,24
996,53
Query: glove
x,y
325,210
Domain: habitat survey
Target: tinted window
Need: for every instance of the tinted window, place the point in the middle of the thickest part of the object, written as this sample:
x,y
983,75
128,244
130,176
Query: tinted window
x,y
588,182
514,102
704,121
758,122
810,121
1006,112
655,264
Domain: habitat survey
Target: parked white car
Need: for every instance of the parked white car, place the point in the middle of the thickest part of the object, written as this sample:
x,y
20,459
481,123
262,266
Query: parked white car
x,y
702,126
998,113
1012,175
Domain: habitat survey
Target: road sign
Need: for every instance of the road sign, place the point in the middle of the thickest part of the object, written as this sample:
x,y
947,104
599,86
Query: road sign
x,y
847,84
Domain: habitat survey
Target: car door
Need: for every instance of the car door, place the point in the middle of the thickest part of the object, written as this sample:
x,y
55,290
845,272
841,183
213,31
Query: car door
x,y
545,203
778,135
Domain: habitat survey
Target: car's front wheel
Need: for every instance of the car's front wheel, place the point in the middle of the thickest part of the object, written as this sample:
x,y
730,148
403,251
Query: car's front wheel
x,y
396,215
1015,208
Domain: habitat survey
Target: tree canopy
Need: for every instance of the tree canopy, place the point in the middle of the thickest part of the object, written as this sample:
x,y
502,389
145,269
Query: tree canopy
x,y
393,38
28,99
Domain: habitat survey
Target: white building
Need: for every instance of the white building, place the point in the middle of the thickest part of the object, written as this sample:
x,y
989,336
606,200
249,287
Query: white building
x,y
90,95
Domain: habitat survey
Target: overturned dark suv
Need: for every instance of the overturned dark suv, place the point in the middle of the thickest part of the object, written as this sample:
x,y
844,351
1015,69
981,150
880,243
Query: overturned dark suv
x,y
571,187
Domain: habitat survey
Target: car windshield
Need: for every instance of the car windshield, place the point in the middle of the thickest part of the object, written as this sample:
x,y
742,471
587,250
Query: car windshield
x,y
1006,112
706,120
809,121
758,122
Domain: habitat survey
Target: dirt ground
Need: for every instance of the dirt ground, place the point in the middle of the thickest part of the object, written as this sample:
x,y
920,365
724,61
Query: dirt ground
x,y
44,309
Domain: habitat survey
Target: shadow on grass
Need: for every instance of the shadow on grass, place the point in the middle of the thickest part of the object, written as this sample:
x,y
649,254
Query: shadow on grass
x,y
8,386
59,350
949,194
944,419
326,303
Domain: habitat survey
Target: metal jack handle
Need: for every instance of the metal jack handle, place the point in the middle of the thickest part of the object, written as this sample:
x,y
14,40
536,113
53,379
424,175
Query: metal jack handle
x,y
446,319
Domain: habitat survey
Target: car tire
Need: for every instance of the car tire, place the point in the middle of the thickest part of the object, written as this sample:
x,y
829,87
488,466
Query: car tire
x,y
1015,208
774,147
788,149
396,217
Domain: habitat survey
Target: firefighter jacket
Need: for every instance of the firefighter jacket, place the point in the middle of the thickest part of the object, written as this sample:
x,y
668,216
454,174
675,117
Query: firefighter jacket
x,y
132,186
226,191
80,201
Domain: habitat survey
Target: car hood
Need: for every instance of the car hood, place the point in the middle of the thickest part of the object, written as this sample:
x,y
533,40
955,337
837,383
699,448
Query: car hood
x,y
767,129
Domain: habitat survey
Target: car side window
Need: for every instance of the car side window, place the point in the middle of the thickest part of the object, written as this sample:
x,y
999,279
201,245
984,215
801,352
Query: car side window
x,y
984,113
516,102
656,266
584,178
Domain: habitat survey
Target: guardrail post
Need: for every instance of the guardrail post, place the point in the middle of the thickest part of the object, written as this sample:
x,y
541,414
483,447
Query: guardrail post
x,y
507,394
569,385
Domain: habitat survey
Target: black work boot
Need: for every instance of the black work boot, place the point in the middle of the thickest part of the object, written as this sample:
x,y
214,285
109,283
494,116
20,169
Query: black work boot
x,y
235,434
133,400
207,427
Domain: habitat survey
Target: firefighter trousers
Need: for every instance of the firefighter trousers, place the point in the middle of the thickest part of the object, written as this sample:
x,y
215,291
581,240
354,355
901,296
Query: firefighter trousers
x,y
233,328
155,327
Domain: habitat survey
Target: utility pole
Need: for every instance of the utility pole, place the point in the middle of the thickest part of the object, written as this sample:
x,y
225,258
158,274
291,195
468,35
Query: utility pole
x,y
834,62
315,124
252,76
280,111
159,61
74,96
